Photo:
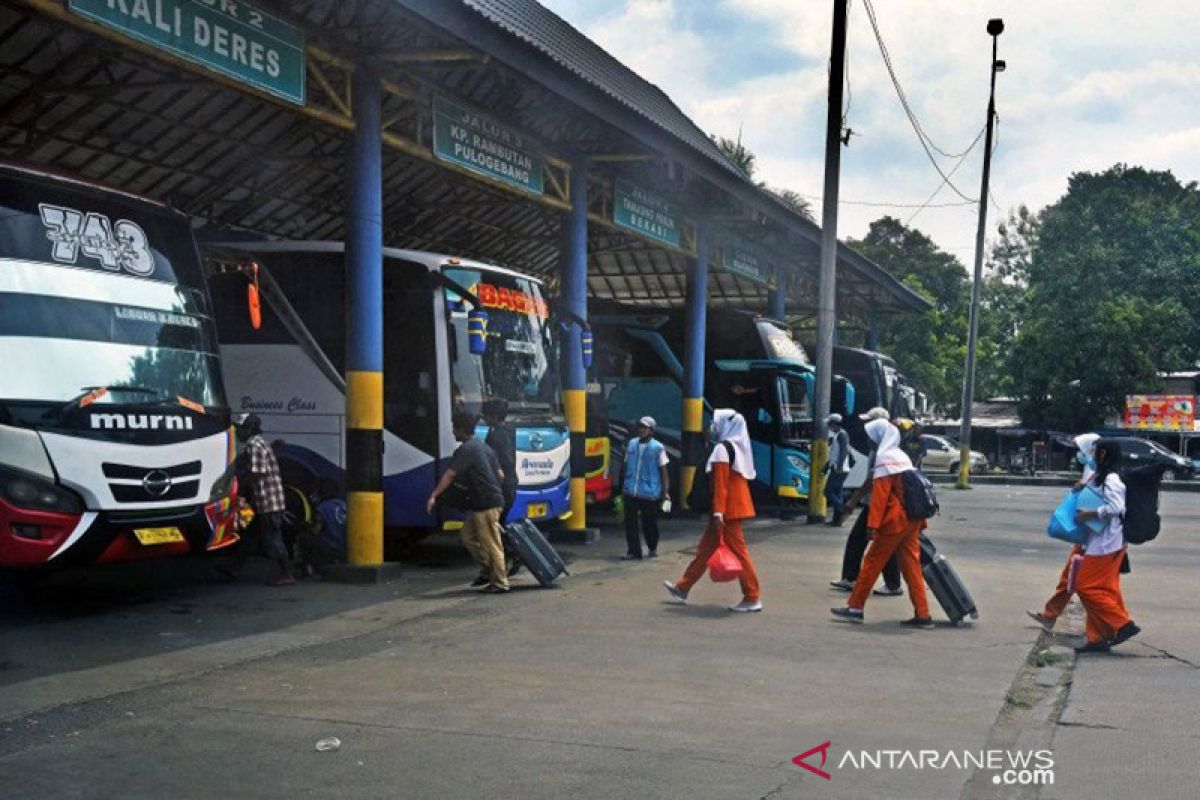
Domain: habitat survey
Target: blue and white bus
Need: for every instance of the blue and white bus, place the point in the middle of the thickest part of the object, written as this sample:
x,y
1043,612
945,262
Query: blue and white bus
x,y
289,371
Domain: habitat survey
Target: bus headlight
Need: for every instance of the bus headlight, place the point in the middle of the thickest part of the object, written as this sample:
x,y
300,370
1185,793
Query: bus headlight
x,y
565,472
38,494
223,486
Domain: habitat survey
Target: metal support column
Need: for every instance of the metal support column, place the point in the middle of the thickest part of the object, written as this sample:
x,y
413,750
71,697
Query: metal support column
x,y
777,298
872,342
364,323
693,367
574,295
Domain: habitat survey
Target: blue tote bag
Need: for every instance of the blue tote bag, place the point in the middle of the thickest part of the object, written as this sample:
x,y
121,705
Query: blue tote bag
x,y
1062,522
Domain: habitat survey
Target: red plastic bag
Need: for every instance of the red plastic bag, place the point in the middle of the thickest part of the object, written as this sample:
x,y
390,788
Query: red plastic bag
x,y
723,565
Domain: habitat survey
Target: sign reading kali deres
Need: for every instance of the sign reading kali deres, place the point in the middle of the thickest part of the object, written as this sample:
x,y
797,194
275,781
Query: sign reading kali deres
x,y
232,38
479,143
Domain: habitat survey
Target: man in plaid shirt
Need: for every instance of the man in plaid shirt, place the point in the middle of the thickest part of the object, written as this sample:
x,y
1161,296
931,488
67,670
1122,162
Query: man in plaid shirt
x,y
266,496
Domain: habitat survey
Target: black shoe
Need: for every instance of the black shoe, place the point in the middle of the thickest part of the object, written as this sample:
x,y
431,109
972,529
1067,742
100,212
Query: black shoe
x,y
480,581
847,614
1127,632
924,623
888,591
652,554
1094,647
492,588
631,557
842,585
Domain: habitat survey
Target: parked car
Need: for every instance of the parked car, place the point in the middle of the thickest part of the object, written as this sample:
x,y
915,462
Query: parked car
x,y
943,454
1136,451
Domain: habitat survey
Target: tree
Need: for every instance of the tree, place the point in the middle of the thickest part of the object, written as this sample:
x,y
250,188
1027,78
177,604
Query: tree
x,y
1111,298
795,201
738,154
1003,302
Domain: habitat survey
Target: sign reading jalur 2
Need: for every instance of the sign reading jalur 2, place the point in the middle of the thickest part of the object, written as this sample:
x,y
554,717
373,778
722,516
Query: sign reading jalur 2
x,y
481,144
744,260
227,36
646,213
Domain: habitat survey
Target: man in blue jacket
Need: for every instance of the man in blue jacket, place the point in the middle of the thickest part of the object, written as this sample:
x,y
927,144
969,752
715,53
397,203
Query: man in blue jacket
x,y
645,487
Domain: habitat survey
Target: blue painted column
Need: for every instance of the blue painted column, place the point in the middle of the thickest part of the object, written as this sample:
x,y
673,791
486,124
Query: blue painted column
x,y
777,297
364,322
693,366
574,295
873,332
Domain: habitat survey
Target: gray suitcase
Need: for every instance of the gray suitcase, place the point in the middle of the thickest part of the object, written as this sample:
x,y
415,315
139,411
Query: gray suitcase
x,y
542,560
945,584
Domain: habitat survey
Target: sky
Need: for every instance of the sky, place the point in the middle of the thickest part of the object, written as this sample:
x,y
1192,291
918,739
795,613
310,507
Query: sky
x,y
1088,84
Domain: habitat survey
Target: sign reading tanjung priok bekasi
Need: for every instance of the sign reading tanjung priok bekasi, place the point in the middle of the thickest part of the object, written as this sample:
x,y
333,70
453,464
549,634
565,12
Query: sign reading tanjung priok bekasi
x,y
479,143
743,259
646,213
232,38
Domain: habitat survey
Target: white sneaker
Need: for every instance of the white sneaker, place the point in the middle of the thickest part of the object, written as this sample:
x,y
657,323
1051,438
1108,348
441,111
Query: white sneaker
x,y
678,596
746,606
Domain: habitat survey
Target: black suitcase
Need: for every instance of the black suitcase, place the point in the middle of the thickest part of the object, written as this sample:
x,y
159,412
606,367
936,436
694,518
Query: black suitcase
x,y
945,584
535,552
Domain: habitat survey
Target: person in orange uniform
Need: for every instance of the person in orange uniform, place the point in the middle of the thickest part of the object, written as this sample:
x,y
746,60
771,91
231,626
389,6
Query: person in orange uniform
x,y
1098,582
731,504
890,529
1057,604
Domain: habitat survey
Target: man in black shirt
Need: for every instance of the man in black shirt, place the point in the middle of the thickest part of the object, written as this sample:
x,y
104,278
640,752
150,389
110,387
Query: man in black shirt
x,y
503,441
475,475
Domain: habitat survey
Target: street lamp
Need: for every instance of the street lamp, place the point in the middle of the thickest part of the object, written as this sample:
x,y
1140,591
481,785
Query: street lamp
x,y
995,27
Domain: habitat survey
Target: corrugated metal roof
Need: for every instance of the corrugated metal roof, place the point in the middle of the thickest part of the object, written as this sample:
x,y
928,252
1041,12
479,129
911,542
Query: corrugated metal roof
x,y
568,47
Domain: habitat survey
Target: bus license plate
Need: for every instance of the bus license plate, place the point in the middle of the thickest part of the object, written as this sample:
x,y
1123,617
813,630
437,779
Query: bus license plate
x,y
536,510
150,536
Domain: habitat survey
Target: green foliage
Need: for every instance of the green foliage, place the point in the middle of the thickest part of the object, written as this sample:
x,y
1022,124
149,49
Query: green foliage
x,y
738,154
1111,297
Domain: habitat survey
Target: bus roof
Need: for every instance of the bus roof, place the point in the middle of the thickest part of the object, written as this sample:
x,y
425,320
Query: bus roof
x,y
431,261
58,176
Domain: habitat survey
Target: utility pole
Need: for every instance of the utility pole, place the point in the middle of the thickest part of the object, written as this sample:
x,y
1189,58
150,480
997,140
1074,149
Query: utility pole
x,y
827,290
994,28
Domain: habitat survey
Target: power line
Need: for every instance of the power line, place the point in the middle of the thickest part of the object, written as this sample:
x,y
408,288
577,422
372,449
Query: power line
x,y
922,137
946,179
882,204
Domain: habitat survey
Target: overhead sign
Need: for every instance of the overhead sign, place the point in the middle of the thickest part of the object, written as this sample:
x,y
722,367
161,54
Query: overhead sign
x,y
743,259
481,144
232,38
646,213
1161,412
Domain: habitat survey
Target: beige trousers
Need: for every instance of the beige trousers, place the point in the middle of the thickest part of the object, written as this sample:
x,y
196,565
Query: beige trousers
x,y
481,536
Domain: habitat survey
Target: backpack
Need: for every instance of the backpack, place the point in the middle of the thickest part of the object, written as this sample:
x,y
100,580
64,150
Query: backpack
x,y
700,497
920,500
1141,520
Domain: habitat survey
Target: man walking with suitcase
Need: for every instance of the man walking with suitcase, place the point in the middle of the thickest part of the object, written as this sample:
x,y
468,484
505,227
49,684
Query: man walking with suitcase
x,y
645,486
473,482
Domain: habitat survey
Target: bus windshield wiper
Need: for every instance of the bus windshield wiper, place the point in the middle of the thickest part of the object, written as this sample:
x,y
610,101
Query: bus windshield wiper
x,y
91,394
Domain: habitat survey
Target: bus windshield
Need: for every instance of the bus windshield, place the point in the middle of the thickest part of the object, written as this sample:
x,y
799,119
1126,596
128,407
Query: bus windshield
x,y
89,299
521,361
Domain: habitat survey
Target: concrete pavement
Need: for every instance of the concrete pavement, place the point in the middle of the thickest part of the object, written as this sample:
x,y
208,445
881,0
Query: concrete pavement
x,y
597,689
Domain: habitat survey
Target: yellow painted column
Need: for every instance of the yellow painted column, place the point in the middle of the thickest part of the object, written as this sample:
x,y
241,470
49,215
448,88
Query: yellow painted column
x,y
693,443
575,402
364,468
816,478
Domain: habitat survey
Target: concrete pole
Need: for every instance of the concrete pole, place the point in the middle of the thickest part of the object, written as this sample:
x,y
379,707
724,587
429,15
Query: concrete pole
x,y
827,290
364,323
693,366
777,298
995,28
574,294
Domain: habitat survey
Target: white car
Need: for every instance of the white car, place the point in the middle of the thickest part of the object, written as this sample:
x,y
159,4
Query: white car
x,y
943,454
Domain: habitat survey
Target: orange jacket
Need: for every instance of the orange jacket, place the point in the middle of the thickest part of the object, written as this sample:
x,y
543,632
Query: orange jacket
x,y
730,493
887,505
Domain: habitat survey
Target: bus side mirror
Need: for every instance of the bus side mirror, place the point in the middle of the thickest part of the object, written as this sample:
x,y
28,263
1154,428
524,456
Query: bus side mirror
x,y
586,344
254,300
764,417
477,331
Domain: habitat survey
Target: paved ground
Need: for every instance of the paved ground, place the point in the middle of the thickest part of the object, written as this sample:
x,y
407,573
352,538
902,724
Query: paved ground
x,y
156,681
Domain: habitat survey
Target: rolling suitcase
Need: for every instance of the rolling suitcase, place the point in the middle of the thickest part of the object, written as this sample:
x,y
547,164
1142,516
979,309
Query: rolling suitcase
x,y
535,552
945,584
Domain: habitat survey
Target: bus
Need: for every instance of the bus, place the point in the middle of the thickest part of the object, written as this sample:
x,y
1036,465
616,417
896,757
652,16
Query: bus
x,y
753,365
115,437
289,371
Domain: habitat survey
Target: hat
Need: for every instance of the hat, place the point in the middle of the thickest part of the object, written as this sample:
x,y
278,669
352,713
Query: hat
x,y
833,419
648,422
878,412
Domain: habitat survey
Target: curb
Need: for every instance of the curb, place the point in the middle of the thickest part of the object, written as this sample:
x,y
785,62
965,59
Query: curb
x,y
1055,481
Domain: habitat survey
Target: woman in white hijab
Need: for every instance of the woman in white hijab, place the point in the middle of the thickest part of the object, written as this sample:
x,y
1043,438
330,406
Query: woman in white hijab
x,y
1057,604
730,467
890,528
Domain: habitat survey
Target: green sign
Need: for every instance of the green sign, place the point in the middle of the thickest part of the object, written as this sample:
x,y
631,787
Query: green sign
x,y
232,38
646,213
481,144
742,259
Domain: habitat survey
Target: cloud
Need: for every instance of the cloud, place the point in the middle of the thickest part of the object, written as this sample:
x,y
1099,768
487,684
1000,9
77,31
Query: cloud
x,y
1089,83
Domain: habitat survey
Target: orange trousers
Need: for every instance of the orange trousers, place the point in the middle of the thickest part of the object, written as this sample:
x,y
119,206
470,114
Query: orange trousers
x,y
735,540
903,542
1057,603
1098,585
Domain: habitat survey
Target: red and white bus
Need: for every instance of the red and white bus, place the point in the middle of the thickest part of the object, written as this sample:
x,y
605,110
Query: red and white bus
x,y
115,438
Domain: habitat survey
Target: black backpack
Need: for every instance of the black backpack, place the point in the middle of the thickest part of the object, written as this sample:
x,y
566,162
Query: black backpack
x,y
920,500
1141,520
700,497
